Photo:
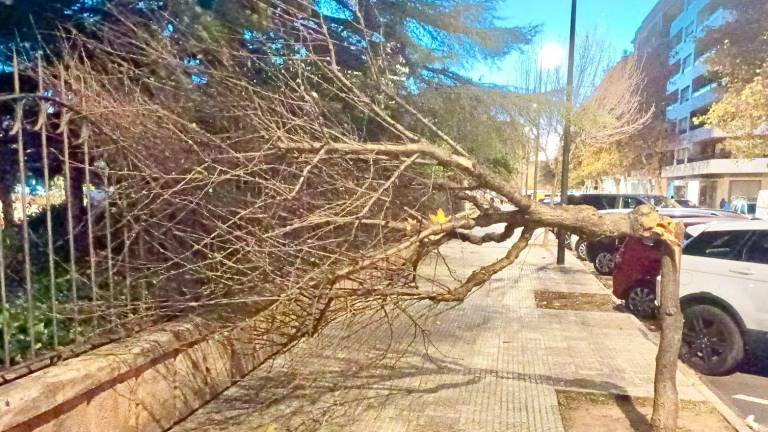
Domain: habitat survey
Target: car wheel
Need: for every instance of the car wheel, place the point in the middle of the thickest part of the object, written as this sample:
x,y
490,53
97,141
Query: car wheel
x,y
581,250
641,301
712,343
604,263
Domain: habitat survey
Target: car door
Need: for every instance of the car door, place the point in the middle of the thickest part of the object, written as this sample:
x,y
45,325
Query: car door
x,y
712,263
753,270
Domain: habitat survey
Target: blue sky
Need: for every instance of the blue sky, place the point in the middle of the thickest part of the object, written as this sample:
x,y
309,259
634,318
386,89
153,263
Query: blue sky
x,y
615,20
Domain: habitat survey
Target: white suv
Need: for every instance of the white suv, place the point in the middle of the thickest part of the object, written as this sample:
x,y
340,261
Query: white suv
x,y
724,293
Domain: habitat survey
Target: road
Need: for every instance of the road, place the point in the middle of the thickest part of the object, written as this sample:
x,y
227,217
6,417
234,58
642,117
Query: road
x,y
746,391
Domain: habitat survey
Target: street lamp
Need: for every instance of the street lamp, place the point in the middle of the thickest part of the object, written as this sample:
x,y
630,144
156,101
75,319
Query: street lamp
x,y
567,132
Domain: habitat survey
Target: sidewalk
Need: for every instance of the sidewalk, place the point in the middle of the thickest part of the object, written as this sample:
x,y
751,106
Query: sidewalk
x,y
494,362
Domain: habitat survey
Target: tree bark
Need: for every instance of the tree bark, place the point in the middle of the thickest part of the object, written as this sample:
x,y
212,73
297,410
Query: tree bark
x,y
665,401
6,218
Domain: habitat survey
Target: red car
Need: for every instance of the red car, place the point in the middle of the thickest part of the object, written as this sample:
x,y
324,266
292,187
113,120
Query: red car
x,y
634,276
638,265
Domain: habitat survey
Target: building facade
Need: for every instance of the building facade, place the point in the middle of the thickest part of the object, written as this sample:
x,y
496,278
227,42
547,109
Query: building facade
x,y
699,168
653,48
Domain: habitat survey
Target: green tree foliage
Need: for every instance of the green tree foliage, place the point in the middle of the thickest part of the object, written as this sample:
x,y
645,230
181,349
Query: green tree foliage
x,y
26,24
418,43
487,121
739,62
740,47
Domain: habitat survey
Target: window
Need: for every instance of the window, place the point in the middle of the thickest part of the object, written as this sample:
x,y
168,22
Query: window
x,y
685,94
696,123
600,202
630,202
686,63
757,250
661,201
677,39
746,189
717,244
682,126
676,67
689,30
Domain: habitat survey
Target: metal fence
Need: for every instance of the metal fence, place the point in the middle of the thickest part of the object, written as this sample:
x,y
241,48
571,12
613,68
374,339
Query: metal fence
x,y
71,273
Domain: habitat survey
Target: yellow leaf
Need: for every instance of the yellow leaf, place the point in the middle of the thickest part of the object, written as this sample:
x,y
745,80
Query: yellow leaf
x,y
439,217
666,230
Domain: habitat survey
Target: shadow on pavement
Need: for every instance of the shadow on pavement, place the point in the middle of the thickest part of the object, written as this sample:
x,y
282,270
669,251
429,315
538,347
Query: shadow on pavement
x,y
756,356
626,404
334,393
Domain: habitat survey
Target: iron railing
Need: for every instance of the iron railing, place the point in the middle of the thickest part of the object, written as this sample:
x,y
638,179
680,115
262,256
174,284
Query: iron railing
x,y
71,273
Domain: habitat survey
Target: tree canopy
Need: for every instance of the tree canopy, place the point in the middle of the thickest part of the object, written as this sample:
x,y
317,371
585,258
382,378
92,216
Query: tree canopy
x,y
739,63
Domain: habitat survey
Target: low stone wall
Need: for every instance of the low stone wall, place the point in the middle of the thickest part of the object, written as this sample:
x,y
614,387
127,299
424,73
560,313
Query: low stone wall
x,y
143,384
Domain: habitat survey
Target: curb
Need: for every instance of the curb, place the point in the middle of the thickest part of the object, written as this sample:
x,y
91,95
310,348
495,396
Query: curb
x,y
728,414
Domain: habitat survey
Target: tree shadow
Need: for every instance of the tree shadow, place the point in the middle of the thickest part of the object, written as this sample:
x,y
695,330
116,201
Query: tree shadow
x,y
334,389
626,403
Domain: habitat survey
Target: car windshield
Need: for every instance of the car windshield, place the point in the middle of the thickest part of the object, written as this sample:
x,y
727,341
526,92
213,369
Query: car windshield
x,y
662,202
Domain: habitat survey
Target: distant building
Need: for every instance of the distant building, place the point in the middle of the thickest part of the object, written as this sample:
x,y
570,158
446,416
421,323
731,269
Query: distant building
x,y
653,48
698,167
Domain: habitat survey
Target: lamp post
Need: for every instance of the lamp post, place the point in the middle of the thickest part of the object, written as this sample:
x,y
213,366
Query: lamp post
x,y
567,131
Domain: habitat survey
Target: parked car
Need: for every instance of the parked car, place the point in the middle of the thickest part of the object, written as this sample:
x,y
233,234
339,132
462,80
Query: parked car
x,y
686,203
746,208
579,246
607,201
723,281
601,252
639,264
761,207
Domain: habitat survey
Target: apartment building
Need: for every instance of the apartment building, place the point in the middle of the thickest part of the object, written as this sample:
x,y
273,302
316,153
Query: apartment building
x,y
700,168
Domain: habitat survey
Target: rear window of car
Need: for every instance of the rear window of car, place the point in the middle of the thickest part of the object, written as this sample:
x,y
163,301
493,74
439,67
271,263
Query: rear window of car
x,y
600,202
661,201
717,244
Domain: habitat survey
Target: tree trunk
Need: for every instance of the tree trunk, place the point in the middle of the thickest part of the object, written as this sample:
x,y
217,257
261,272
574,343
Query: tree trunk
x,y
665,401
6,217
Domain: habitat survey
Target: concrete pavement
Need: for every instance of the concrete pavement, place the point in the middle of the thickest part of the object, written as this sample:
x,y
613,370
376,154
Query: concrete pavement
x,y
492,363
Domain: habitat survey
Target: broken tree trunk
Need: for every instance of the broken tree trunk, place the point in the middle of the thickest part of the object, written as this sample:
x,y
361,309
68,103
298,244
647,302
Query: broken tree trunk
x,y
665,401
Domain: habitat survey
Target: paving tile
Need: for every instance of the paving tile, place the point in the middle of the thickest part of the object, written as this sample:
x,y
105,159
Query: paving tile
x,y
491,364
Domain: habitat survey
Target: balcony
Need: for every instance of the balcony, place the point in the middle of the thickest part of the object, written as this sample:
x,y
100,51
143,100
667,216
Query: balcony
x,y
717,19
702,134
704,157
687,16
716,167
685,78
684,48
699,99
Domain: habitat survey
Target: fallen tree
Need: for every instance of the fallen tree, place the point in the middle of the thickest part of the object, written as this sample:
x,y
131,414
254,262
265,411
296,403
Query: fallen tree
x,y
239,176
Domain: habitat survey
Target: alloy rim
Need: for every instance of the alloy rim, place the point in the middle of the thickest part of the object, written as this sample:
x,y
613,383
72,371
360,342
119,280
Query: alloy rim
x,y
704,341
641,300
604,262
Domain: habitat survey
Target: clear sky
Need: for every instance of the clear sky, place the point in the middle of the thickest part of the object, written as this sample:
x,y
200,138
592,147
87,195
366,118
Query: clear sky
x,y
615,20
